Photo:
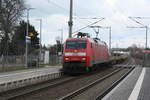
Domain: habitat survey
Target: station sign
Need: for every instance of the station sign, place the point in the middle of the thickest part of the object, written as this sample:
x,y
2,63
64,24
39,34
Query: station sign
x,y
28,39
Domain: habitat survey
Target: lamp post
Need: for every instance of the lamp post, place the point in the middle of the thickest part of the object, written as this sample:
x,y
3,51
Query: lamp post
x,y
40,20
61,39
27,33
146,44
109,38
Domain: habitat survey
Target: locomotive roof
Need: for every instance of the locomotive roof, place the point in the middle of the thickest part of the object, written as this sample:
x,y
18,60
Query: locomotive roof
x,y
93,40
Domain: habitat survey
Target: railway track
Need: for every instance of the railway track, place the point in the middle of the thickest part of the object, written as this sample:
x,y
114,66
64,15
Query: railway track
x,y
99,97
80,93
12,94
56,91
37,87
62,87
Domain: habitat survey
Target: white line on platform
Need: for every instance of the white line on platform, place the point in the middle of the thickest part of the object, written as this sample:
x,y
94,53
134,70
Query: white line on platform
x,y
135,93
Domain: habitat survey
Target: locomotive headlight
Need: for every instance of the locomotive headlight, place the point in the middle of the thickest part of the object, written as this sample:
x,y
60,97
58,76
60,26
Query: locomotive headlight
x,y
66,58
81,54
83,59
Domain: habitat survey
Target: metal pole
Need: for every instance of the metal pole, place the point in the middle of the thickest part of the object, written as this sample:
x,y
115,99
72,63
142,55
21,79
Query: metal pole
x,y
146,47
70,23
146,38
145,54
0,13
110,38
27,32
0,4
62,40
40,38
40,51
61,45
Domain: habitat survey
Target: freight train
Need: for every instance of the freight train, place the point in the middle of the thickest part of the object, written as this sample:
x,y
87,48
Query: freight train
x,y
83,53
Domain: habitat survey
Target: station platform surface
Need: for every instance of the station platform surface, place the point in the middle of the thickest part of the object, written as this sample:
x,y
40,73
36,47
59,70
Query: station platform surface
x,y
24,74
18,79
136,86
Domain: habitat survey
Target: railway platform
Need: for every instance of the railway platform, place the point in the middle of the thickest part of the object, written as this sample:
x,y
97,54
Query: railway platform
x,y
136,86
16,79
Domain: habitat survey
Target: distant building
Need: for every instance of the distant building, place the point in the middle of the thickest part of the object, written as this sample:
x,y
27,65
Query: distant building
x,y
146,51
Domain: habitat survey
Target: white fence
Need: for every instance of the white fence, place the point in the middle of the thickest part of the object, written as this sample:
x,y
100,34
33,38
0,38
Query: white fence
x,y
19,61
9,61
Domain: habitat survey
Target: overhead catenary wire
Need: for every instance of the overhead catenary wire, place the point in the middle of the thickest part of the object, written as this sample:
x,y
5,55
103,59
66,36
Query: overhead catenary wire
x,y
142,17
75,15
137,21
87,17
146,31
90,22
49,1
59,6
88,25
133,19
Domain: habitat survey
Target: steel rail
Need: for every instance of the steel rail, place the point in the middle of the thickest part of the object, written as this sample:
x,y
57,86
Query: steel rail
x,y
37,88
81,90
27,91
104,93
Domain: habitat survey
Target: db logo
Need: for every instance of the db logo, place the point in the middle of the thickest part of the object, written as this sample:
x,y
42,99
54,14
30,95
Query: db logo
x,y
75,50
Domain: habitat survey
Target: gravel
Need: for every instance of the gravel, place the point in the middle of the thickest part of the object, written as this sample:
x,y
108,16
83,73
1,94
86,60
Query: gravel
x,y
59,91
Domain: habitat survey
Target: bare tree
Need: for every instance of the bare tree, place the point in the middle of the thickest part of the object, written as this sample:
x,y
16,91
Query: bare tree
x,y
10,12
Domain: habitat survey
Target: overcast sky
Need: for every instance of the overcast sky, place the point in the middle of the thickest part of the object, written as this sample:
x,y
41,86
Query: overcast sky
x,y
54,14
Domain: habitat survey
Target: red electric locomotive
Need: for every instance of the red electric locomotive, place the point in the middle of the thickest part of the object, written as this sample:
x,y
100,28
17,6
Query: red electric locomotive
x,y
82,53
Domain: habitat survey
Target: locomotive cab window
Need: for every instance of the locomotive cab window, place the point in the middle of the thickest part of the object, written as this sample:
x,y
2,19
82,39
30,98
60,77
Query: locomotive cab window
x,y
76,44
